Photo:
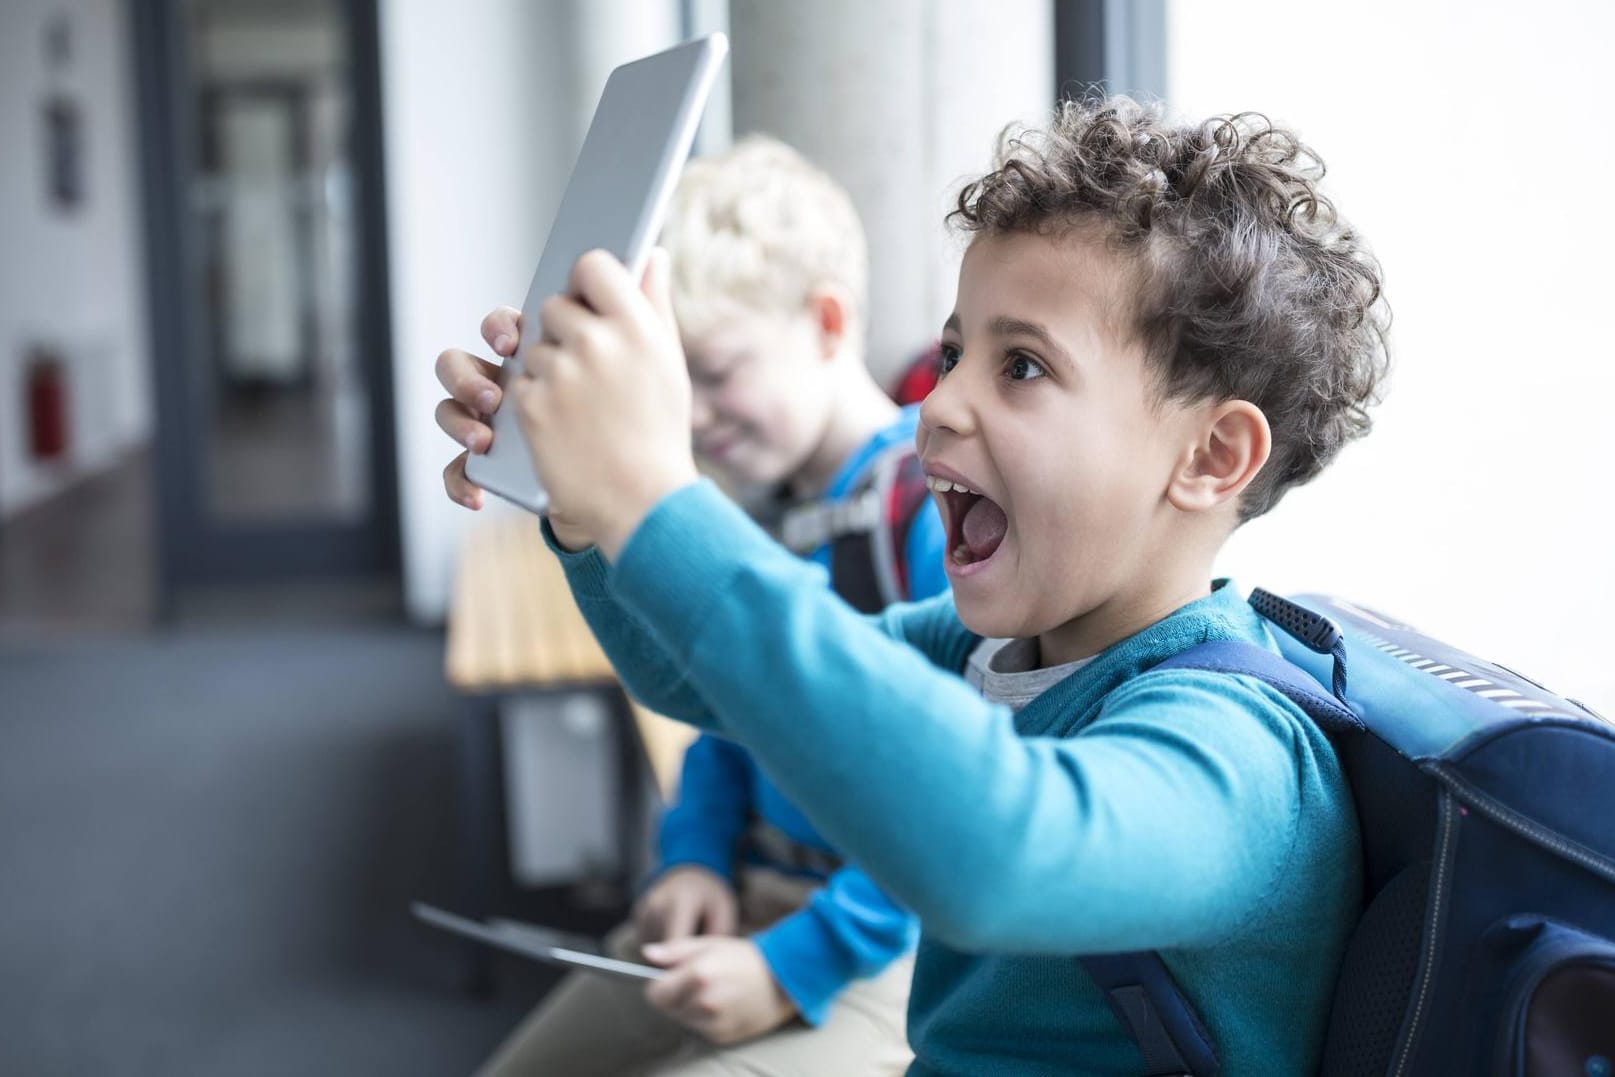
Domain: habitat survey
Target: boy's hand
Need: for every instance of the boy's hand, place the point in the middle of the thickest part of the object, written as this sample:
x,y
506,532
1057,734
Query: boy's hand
x,y
604,399
687,900
721,988
473,386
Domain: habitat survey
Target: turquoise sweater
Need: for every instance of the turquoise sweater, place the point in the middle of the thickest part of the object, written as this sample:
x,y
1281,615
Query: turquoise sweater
x,y
1198,814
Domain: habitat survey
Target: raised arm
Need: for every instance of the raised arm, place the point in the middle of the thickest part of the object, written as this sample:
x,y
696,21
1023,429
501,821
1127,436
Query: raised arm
x,y
1158,825
649,669
928,786
657,674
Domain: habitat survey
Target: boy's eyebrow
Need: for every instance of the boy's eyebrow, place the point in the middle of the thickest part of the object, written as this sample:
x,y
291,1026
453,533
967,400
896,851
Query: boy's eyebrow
x,y
1005,326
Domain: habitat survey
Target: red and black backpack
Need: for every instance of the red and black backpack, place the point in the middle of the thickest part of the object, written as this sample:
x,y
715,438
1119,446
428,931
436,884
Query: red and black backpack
x,y
867,530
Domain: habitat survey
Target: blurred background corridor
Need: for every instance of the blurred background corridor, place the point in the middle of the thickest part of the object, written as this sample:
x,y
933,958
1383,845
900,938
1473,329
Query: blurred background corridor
x,y
234,234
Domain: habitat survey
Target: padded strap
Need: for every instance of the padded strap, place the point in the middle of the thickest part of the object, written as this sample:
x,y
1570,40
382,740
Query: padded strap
x,y
1147,1002
1140,989
806,527
1297,685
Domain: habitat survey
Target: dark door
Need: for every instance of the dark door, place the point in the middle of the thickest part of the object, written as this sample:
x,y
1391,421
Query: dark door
x,y
260,124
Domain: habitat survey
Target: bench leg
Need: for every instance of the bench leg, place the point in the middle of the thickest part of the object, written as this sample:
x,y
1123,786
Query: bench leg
x,y
481,824
630,800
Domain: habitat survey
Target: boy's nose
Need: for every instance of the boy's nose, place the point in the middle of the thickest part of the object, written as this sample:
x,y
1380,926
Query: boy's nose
x,y
947,407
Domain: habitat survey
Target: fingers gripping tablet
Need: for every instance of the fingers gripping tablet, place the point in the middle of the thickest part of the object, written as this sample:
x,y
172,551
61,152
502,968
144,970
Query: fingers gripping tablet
x,y
630,162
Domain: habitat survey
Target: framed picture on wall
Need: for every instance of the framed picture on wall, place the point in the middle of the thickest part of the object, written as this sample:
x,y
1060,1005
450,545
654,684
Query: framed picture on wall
x,y
62,122
64,152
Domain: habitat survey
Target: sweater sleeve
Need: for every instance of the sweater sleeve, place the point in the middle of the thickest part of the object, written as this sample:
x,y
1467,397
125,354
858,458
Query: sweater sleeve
x,y
704,824
848,929
1158,826
646,666
654,672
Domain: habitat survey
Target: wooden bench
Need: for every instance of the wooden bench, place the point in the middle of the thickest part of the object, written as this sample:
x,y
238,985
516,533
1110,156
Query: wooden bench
x,y
514,630
514,626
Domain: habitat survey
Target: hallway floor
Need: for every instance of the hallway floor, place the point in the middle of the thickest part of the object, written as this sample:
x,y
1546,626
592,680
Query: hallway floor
x,y
211,843
85,561
215,823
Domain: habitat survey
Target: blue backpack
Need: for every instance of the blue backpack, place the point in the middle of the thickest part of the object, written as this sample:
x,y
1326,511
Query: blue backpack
x,y
1487,810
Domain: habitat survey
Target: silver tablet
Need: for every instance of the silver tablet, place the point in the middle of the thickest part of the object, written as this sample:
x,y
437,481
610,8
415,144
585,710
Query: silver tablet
x,y
540,944
619,190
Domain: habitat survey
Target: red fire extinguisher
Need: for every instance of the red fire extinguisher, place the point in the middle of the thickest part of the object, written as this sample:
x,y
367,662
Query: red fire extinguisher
x,y
47,405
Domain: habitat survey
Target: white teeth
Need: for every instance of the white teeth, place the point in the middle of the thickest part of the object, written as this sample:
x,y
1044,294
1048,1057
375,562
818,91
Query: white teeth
x,y
942,486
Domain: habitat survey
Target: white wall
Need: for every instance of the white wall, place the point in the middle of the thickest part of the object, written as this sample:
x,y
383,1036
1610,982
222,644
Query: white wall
x,y
900,101
73,281
485,105
1470,143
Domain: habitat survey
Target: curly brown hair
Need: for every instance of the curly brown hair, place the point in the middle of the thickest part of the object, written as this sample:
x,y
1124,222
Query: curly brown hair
x,y
1250,286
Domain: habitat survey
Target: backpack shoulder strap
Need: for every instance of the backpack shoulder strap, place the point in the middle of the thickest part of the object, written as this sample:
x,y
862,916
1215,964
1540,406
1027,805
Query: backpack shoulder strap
x,y
866,529
1139,987
1155,1013
805,527
1296,684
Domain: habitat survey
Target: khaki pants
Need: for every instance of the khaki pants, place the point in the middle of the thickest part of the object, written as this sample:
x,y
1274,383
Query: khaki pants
x,y
598,1026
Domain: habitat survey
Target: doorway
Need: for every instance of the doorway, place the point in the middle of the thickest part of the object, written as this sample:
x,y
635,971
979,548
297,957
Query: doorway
x,y
266,249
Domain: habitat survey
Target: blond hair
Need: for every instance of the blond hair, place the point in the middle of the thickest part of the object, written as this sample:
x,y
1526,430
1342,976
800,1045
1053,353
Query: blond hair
x,y
760,226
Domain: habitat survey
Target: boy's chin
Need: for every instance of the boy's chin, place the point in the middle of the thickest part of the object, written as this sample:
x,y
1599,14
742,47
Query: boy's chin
x,y
727,473
745,469
985,621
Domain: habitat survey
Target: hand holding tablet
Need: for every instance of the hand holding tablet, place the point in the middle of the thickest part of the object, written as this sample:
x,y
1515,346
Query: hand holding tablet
x,y
538,943
629,165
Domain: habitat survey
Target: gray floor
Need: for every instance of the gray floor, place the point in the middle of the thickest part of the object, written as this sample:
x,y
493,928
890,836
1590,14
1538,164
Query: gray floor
x,y
83,561
211,827
208,842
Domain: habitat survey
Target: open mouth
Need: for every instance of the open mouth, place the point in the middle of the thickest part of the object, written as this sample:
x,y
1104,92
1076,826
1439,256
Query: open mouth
x,y
713,447
976,525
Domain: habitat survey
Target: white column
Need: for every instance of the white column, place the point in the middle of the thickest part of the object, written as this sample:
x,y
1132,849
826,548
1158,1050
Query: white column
x,y
486,103
900,100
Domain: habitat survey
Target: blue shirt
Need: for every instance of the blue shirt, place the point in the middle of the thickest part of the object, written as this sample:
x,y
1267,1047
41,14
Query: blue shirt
x,y
849,928
1197,814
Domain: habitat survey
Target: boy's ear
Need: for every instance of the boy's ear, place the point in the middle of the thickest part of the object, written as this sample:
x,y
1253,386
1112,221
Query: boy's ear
x,y
1233,443
830,307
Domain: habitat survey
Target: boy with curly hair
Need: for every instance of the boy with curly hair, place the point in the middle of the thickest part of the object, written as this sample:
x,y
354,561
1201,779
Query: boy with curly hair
x,y
1159,329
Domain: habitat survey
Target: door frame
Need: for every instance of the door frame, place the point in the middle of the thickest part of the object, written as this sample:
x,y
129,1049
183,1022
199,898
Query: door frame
x,y
194,548
1117,46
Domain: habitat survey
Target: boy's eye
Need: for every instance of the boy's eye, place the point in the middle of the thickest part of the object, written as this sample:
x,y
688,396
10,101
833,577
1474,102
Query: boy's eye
x,y
1022,367
709,377
949,359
